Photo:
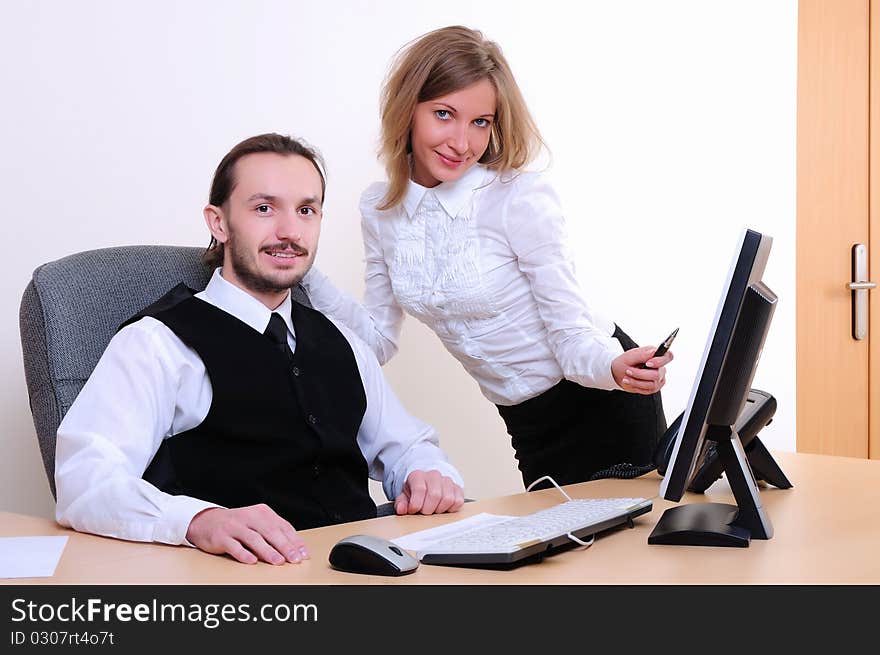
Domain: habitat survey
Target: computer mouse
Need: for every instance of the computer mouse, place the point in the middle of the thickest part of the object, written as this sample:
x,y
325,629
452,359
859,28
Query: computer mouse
x,y
362,553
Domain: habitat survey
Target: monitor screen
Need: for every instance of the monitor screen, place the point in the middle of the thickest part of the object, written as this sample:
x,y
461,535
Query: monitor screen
x,y
721,388
746,269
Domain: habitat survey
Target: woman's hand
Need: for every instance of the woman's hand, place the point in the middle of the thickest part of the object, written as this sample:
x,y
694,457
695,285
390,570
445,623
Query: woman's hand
x,y
630,377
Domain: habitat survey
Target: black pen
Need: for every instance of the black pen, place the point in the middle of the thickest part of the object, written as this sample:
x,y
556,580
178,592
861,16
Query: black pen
x,y
663,347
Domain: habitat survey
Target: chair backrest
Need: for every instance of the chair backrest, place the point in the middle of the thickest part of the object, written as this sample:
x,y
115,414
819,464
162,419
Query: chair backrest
x,y
71,309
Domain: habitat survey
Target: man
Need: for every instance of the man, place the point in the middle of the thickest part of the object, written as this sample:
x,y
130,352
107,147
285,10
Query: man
x,y
229,418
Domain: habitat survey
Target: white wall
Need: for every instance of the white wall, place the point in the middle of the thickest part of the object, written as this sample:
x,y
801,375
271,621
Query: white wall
x,y
672,126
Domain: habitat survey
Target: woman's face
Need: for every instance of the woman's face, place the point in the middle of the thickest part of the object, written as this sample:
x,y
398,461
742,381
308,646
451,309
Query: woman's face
x,y
450,133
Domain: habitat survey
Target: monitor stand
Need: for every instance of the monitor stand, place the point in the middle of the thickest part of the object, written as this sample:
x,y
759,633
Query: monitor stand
x,y
719,524
756,414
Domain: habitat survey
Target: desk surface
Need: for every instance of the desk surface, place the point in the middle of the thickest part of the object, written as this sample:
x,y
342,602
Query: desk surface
x,y
827,530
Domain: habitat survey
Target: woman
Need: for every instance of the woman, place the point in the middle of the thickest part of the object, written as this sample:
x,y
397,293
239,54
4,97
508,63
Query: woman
x,y
467,242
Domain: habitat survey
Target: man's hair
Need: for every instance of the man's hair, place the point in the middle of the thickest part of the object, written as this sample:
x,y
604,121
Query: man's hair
x,y
441,62
224,177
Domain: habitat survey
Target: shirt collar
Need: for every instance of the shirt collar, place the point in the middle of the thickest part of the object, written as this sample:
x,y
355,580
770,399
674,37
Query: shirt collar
x,y
453,196
412,197
244,306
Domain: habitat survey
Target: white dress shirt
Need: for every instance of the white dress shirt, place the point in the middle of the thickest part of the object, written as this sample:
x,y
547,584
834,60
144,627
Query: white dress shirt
x,y
149,386
482,261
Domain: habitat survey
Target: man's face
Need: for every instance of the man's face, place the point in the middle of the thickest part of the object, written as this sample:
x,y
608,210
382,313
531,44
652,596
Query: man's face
x,y
270,224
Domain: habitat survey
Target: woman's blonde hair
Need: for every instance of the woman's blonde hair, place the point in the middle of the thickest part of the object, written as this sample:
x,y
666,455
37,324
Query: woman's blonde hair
x,y
442,62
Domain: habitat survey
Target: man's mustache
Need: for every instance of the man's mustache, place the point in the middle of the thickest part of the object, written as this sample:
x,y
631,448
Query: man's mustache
x,y
286,246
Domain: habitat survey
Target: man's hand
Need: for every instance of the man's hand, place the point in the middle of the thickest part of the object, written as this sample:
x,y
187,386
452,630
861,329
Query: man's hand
x,y
429,492
631,378
249,534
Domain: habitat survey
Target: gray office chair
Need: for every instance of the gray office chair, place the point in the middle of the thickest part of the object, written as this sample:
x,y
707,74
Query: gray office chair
x,y
72,307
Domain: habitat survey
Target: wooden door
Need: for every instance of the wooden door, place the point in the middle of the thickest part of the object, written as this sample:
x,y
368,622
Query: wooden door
x,y
838,202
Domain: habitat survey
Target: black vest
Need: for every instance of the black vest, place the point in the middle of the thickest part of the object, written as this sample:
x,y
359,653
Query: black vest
x,y
278,432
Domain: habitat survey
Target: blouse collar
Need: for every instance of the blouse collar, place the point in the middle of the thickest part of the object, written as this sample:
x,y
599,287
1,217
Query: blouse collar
x,y
453,196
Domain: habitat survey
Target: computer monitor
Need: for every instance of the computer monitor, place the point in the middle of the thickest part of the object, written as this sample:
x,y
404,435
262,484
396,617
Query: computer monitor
x,y
719,394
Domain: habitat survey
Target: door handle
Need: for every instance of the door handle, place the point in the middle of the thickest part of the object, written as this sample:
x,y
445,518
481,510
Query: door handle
x,y
859,288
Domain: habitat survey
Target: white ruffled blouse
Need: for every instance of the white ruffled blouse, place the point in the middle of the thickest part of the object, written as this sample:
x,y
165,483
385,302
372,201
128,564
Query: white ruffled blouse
x,y
482,261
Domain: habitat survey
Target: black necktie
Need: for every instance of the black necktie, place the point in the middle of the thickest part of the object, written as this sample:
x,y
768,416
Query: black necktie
x,y
277,333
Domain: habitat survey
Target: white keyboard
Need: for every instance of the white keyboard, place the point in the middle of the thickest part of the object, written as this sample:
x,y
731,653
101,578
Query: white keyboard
x,y
526,535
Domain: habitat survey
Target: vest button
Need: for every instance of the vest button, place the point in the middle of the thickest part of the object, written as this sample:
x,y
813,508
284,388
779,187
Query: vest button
x,y
316,470
295,371
313,419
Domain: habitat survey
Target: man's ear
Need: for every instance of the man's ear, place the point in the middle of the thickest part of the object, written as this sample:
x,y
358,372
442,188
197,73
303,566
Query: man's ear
x,y
215,219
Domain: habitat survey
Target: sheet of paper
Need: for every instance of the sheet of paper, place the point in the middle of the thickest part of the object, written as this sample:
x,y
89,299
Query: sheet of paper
x,y
30,557
419,541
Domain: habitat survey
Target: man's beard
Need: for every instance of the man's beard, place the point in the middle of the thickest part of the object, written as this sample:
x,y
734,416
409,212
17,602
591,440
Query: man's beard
x,y
247,272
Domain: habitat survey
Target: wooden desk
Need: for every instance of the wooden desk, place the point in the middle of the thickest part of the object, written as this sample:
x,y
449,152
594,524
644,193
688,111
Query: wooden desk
x,y
827,530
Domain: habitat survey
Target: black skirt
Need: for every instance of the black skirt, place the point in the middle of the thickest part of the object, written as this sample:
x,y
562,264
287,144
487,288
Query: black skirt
x,y
572,432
